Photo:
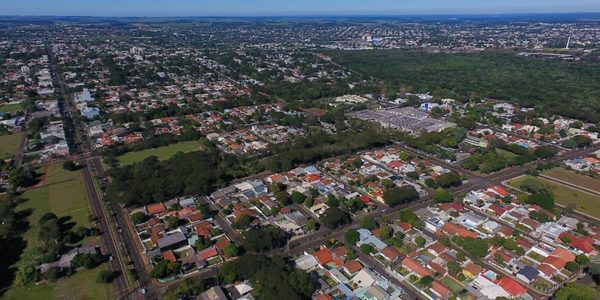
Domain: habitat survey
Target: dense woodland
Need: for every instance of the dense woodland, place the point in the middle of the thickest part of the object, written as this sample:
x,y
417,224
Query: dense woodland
x,y
565,87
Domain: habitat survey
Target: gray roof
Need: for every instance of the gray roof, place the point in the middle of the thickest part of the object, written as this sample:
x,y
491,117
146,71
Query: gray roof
x,y
170,240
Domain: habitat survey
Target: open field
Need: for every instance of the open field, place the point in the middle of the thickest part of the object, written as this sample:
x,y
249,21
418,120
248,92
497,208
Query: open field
x,y
81,285
9,145
162,153
63,193
564,195
574,178
6,108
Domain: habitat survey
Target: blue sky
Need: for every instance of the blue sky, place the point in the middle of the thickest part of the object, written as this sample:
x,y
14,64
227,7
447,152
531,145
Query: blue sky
x,y
286,7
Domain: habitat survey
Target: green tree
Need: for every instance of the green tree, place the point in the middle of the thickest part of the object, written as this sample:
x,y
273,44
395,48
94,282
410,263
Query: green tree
x,y
230,250
351,236
400,195
368,223
366,249
333,217
443,196
420,241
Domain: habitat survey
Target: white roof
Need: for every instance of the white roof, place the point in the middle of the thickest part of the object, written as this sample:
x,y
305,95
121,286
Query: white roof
x,y
306,262
243,288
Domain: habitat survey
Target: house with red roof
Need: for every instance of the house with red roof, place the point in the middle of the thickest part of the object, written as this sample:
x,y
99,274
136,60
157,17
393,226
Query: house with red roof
x,y
512,287
440,290
390,253
498,190
414,266
323,256
155,209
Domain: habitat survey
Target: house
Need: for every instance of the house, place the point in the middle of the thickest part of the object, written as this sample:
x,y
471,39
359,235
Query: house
x,y
352,267
214,293
436,248
390,253
528,274
512,287
440,290
323,256
416,267
306,262
367,237
172,241
155,209
364,278
208,253
471,270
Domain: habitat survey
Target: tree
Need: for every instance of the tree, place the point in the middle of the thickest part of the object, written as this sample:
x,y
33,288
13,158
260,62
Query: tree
x,y
351,236
297,197
476,247
230,250
366,249
545,151
333,217
311,225
86,260
264,239
164,268
443,196
302,283
400,195
544,199
69,165
572,266
453,268
582,259
139,217
420,241
243,222
410,217
368,223
106,276
576,291
386,232
426,281
449,180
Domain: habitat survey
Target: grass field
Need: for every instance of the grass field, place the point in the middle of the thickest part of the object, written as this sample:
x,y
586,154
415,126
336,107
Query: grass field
x,y
81,285
564,195
452,284
9,145
63,193
574,178
162,153
10,108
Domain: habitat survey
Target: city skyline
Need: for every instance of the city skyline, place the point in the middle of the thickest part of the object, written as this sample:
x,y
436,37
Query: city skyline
x,y
236,8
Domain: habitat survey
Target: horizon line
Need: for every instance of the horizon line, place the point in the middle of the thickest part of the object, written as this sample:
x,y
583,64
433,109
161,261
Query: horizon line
x,y
303,15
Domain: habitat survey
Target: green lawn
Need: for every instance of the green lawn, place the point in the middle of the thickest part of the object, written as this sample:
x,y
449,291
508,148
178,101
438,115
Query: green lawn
x,y
162,153
564,195
506,154
6,108
9,145
81,285
63,193
452,284
574,178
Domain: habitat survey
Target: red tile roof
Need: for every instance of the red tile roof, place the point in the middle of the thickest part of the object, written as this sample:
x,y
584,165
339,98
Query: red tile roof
x,y
390,252
323,256
454,229
512,287
564,254
557,262
546,269
416,267
208,253
353,266
169,256
156,208
440,289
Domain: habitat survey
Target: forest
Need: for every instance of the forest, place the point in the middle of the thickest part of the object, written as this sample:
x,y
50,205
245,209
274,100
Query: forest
x,y
559,86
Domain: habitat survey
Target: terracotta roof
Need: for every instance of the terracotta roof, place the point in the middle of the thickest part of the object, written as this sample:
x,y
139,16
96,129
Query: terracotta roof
x,y
437,268
416,267
156,208
546,269
564,254
438,248
208,253
473,268
323,297
353,266
557,262
440,289
169,256
390,252
512,287
323,256
455,229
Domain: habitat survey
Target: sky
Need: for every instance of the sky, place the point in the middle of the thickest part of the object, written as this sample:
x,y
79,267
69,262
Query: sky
x,y
170,8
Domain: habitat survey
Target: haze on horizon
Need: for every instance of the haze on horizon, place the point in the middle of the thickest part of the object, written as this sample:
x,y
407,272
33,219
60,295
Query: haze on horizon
x,y
164,8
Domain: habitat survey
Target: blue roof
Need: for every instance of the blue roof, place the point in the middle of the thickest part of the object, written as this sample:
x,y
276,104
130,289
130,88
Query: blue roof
x,y
529,272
